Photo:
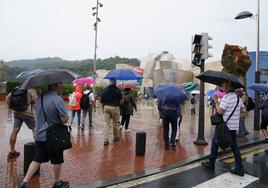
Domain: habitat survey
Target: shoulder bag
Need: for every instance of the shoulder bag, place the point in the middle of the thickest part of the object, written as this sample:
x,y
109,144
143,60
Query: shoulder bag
x,y
58,136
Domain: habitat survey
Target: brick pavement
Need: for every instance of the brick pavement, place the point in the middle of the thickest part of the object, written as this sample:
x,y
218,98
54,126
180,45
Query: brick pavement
x,y
89,161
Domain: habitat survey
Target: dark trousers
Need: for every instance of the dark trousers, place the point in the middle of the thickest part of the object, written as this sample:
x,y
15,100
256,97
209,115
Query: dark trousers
x,y
169,116
78,117
234,147
125,120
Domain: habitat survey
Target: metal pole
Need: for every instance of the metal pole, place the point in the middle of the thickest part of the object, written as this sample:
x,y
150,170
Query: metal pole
x,y
96,45
257,73
201,119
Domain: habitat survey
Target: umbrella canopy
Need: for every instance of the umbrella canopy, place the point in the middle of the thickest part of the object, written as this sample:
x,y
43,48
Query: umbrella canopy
x,y
170,92
49,76
189,86
26,74
211,93
259,87
127,84
216,77
84,81
123,74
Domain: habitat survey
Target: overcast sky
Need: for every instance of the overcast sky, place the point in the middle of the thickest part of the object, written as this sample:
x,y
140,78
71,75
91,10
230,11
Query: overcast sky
x,y
129,28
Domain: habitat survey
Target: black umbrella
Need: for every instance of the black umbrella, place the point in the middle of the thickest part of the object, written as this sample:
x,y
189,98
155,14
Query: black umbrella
x,y
216,77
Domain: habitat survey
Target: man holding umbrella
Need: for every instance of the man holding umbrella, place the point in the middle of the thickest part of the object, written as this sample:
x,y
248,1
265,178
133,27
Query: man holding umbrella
x,y
230,107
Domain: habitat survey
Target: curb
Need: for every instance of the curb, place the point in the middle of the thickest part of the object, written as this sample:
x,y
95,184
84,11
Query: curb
x,y
149,172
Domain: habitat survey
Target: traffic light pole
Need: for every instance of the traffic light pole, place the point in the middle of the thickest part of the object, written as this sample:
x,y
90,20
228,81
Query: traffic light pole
x,y
201,119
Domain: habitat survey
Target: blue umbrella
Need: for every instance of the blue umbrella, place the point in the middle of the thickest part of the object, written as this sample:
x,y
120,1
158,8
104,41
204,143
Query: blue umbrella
x,y
170,92
26,74
259,87
123,74
211,93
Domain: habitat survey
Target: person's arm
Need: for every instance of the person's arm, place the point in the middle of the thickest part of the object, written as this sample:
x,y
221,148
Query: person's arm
x,y
219,110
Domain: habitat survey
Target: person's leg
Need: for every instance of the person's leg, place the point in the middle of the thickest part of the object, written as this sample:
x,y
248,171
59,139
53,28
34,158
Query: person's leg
x,y
264,123
107,117
72,117
179,126
123,120
57,171
236,151
213,151
173,122
116,122
84,114
90,115
78,117
127,122
34,166
166,131
13,136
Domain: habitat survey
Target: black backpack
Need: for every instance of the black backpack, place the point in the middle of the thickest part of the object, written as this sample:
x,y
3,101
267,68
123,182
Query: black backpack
x,y
251,104
19,99
84,102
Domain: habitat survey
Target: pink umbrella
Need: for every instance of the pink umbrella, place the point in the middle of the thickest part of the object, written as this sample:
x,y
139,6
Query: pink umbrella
x,y
84,81
219,93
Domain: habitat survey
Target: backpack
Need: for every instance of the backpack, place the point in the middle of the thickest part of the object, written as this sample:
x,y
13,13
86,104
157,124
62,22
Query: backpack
x,y
72,99
251,104
84,103
19,99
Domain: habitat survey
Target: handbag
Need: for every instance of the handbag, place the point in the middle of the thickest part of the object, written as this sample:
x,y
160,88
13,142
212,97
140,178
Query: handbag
x,y
216,119
58,136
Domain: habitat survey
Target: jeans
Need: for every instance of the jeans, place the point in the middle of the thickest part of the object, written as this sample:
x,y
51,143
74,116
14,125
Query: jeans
x,y
125,120
84,115
242,128
169,116
78,117
234,147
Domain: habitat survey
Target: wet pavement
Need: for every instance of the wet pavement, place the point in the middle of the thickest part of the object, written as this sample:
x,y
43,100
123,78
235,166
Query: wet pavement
x,y
91,163
255,167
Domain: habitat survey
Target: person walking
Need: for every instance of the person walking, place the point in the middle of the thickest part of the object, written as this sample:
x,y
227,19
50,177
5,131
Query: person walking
x,y
264,119
76,108
126,109
170,113
27,116
230,102
111,98
87,104
56,113
243,115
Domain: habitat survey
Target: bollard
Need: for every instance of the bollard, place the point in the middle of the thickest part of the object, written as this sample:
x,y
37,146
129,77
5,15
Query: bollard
x,y
29,152
140,143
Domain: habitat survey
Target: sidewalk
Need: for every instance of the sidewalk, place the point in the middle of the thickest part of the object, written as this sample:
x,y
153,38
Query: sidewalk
x,y
89,163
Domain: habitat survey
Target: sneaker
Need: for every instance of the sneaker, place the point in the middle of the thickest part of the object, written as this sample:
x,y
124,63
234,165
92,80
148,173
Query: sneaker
x,y
236,171
166,147
177,138
13,154
120,128
127,131
106,143
173,145
207,165
61,184
24,185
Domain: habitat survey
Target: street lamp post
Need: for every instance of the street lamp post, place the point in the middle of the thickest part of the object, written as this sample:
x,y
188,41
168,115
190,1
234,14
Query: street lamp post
x,y
97,20
247,14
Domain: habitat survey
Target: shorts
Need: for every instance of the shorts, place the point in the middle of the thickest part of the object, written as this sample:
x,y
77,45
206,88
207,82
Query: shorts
x,y
264,123
42,154
19,119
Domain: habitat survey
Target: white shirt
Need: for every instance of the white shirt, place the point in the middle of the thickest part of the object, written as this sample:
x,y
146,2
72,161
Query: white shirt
x,y
228,103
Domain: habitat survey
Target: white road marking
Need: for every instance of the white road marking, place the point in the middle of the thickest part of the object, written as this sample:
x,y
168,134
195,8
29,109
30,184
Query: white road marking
x,y
228,180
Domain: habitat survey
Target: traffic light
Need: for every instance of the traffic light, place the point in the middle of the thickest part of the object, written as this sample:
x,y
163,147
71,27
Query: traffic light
x,y
205,46
201,48
197,49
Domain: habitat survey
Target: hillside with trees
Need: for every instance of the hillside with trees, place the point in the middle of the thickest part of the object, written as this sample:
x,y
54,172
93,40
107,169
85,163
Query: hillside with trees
x,y
81,67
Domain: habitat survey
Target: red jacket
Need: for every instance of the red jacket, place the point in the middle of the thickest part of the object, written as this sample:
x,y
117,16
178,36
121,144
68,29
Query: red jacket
x,y
78,93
